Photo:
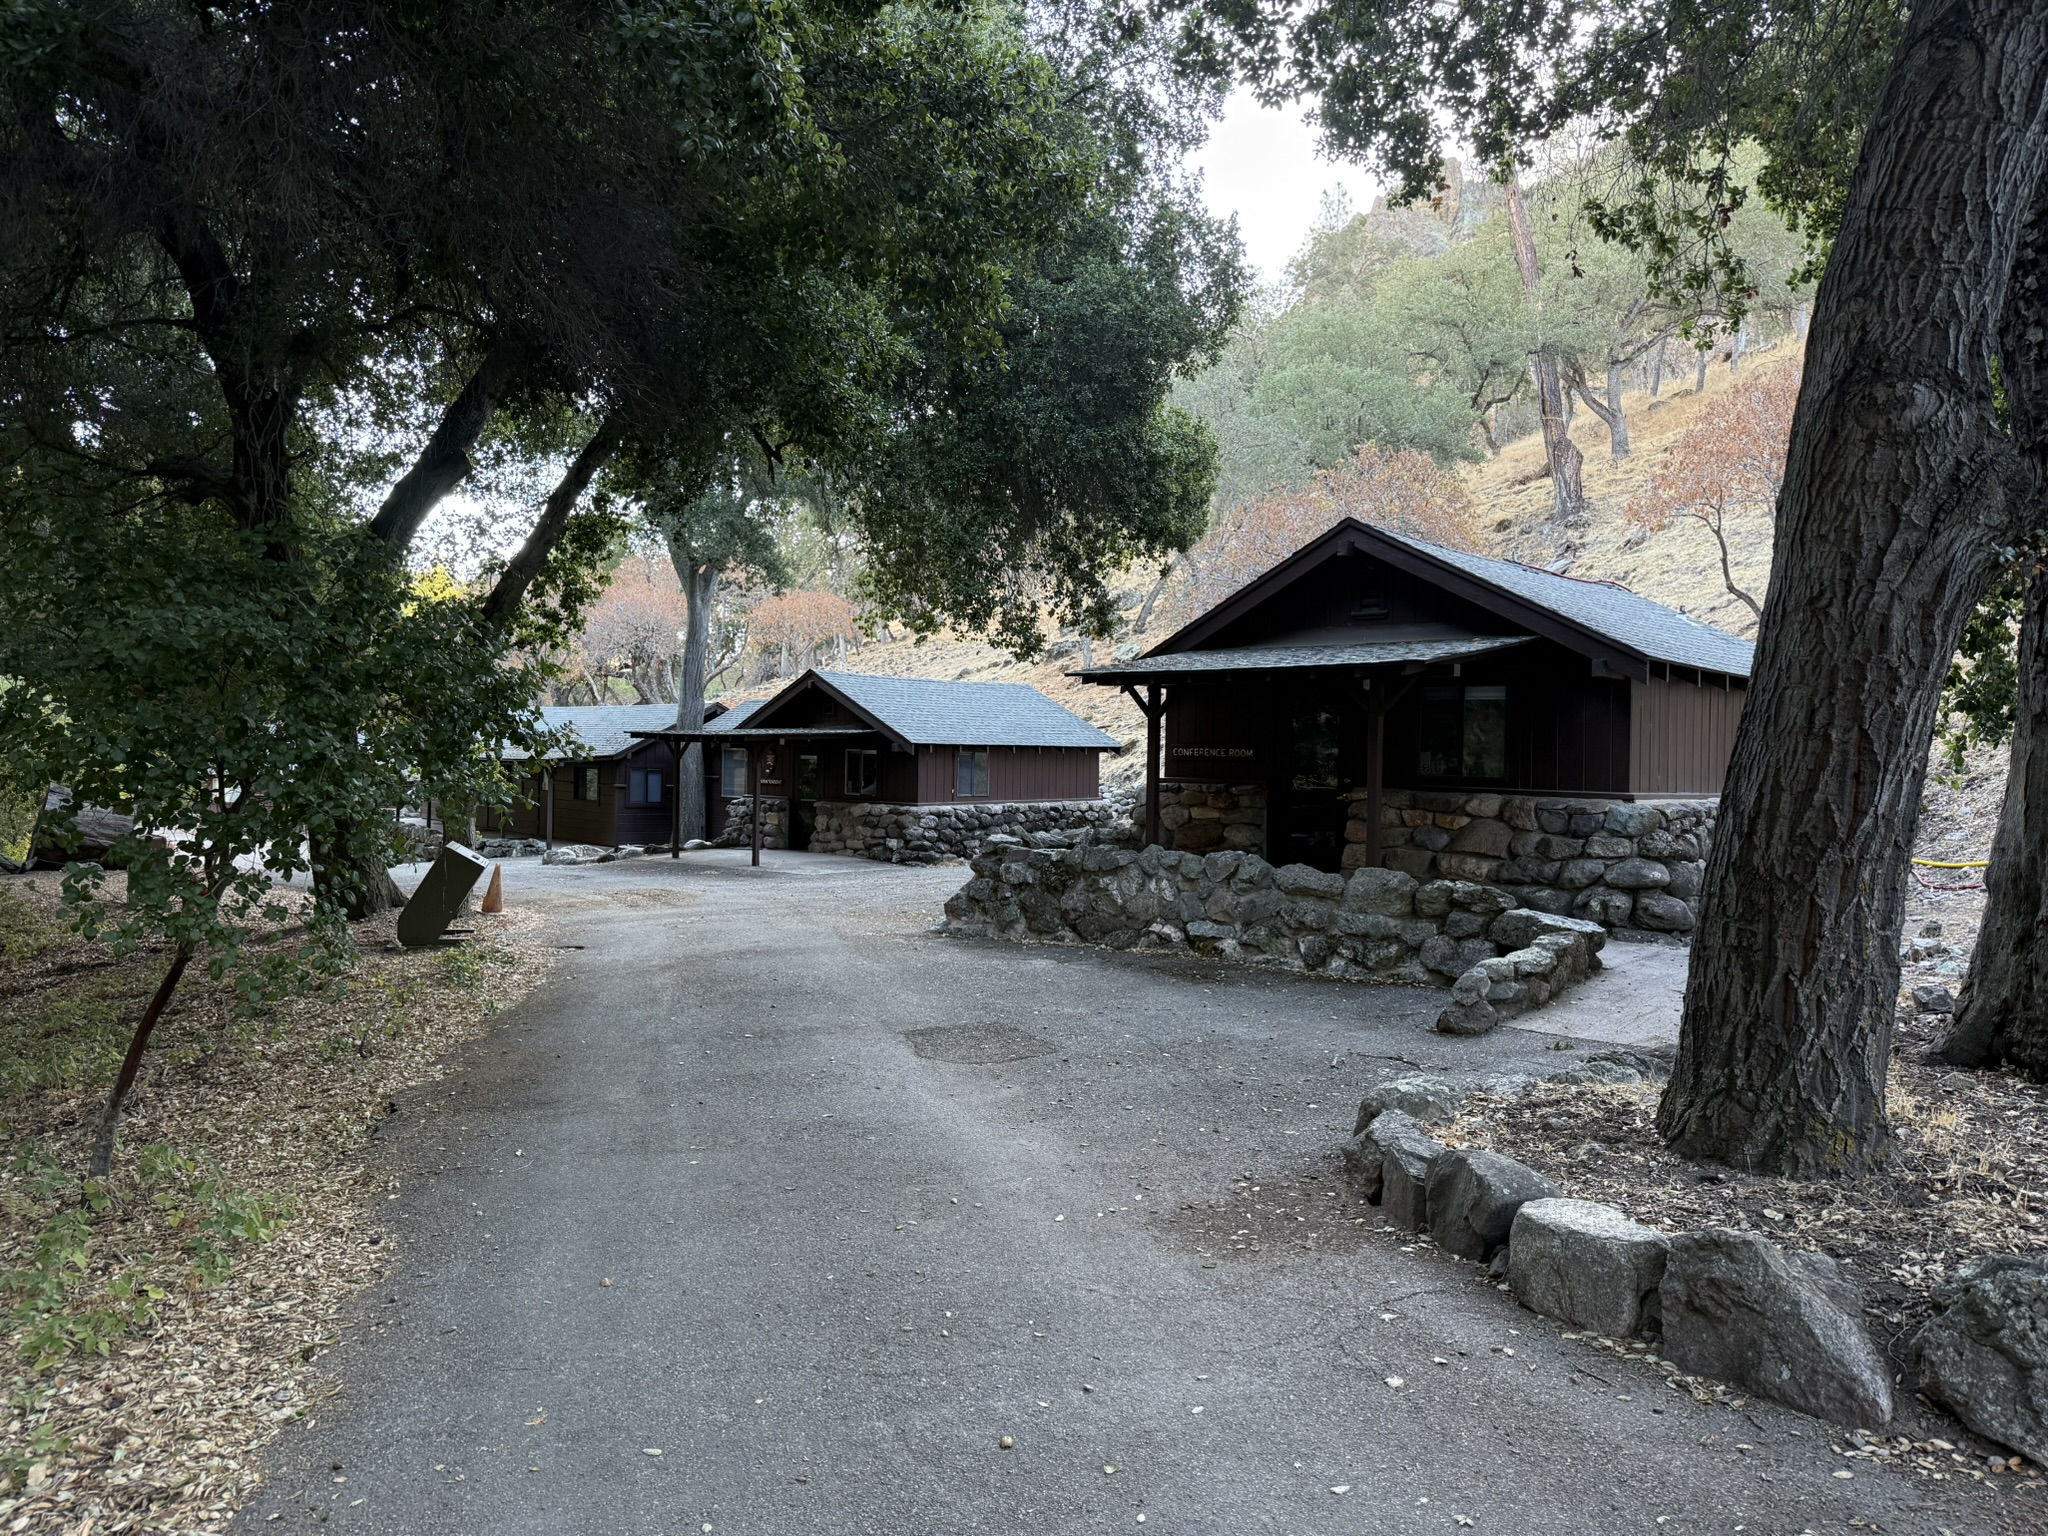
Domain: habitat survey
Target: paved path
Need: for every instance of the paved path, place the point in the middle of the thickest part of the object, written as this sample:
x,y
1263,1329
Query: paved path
x,y
1633,1000
840,1270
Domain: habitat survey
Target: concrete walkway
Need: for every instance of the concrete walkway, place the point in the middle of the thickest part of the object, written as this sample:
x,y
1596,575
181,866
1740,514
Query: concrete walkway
x,y
1634,999
774,1212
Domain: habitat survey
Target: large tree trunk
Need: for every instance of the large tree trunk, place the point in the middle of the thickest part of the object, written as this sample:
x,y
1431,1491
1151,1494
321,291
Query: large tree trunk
x,y
1899,494
363,888
1567,483
700,589
1609,410
2002,1015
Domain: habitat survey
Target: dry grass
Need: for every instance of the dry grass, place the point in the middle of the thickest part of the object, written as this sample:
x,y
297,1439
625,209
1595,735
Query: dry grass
x,y
240,1213
1679,567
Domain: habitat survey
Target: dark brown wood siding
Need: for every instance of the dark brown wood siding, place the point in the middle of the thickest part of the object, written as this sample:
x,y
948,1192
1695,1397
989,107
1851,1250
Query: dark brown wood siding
x,y
1681,734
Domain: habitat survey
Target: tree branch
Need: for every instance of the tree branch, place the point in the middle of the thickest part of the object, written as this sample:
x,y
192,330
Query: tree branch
x,y
445,463
554,519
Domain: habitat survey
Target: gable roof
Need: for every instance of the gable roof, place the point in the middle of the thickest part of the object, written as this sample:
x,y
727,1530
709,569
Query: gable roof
x,y
733,715
1561,607
601,729
925,711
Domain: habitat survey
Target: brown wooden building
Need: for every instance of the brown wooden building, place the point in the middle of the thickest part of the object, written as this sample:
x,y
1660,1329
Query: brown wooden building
x,y
1369,661
850,736
611,788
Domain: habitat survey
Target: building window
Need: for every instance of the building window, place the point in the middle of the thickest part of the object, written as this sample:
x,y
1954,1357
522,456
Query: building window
x,y
863,770
970,769
643,787
732,771
583,783
1462,733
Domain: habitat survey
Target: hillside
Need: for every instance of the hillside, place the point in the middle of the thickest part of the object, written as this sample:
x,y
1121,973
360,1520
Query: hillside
x,y
1678,567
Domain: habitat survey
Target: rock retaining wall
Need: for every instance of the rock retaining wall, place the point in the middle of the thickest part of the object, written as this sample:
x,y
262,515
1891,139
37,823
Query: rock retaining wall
x,y
1499,958
925,834
1624,864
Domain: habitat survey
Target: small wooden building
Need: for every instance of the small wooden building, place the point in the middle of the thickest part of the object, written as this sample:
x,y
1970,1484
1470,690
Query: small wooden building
x,y
1368,661
612,788
838,737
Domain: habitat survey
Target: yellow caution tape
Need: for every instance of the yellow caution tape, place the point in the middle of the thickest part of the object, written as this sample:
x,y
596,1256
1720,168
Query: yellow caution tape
x,y
1966,864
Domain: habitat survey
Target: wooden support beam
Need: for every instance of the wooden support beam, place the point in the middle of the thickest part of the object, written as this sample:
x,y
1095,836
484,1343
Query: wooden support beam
x,y
675,799
547,774
1154,710
754,770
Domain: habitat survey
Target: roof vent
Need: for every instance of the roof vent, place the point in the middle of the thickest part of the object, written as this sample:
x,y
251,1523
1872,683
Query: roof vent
x,y
1370,608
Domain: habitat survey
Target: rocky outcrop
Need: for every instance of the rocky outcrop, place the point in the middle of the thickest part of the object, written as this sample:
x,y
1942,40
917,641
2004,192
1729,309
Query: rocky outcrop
x,y
1473,1197
1375,923
1587,1265
1985,1352
925,834
1785,1326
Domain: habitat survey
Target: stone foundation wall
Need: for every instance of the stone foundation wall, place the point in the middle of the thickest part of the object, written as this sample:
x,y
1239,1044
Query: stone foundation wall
x,y
1374,923
1201,818
1624,864
739,823
1620,863
925,834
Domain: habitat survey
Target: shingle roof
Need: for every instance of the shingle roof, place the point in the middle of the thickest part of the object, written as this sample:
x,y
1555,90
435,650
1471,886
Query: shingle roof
x,y
1270,658
601,729
928,711
735,715
1646,627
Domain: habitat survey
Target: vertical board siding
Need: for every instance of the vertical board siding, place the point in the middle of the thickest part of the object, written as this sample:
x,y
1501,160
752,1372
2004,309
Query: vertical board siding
x,y
1680,736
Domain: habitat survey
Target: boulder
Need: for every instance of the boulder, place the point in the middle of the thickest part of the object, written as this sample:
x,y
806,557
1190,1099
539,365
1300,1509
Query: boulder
x,y
575,853
1587,1265
1737,1308
1631,820
1929,998
1473,1197
1637,874
1478,1017
1663,912
1406,1152
1985,1352
1427,1100
1523,926
1306,880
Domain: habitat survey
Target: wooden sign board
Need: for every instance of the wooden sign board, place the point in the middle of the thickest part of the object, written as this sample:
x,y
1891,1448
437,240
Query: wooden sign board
x,y
1222,764
431,908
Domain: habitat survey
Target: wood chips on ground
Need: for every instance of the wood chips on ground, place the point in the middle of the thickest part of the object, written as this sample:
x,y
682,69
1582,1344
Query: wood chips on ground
x,y
161,1432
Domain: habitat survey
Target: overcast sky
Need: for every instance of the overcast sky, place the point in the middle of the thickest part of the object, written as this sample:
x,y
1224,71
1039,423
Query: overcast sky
x,y
1261,164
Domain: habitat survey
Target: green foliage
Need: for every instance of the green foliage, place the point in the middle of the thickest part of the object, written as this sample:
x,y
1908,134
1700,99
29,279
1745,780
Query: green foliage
x,y
1982,691
81,1290
21,802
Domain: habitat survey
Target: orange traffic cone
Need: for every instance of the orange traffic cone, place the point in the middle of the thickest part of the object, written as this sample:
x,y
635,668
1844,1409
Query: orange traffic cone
x,y
494,898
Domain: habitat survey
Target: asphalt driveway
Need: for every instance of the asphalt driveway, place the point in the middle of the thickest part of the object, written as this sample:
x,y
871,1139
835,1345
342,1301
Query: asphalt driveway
x,y
774,1212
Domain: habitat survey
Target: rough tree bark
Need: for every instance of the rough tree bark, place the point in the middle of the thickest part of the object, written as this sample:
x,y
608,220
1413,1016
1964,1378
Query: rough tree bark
x,y
700,590
1567,482
2002,1013
1900,492
1609,410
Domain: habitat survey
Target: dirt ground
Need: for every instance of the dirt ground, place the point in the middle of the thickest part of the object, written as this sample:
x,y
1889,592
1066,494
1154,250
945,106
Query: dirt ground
x,y
159,1329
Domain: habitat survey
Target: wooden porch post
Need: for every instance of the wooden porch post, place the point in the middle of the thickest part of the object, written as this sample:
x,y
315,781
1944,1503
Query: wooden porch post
x,y
1152,714
675,799
1375,769
548,801
754,769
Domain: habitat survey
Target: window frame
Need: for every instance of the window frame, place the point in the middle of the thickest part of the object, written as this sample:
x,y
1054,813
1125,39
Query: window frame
x,y
1467,695
582,776
640,780
868,781
729,759
970,765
